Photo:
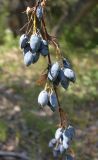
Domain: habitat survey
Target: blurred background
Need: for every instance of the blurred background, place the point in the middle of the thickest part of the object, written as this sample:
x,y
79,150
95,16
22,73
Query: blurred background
x,y
24,127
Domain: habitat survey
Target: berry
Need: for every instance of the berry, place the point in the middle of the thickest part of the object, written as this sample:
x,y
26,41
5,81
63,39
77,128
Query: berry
x,y
69,157
44,48
57,81
54,71
43,98
58,133
45,42
23,41
62,149
53,100
70,132
39,12
28,58
35,42
26,48
66,63
70,74
51,107
35,57
65,141
52,143
65,84
64,80
55,153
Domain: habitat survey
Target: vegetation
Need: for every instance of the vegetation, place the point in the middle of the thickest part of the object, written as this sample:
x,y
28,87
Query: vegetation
x,y
24,127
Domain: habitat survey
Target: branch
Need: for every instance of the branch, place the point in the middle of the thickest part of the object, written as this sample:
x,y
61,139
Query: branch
x,y
13,154
73,14
82,9
57,28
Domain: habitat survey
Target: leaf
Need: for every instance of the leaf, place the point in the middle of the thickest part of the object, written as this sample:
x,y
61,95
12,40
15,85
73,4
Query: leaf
x,y
42,79
72,153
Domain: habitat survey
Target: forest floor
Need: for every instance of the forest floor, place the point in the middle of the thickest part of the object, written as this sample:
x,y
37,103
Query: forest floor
x,y
25,127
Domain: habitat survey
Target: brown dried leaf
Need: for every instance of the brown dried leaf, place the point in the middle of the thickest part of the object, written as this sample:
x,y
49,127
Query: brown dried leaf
x,y
42,79
71,152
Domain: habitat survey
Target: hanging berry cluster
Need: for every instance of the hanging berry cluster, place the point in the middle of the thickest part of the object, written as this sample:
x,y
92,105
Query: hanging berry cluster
x,y
35,42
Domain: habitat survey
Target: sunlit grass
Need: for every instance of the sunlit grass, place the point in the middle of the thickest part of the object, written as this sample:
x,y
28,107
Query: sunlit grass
x,y
3,131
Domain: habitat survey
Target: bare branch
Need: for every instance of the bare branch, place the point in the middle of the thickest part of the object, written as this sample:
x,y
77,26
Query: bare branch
x,y
82,9
74,15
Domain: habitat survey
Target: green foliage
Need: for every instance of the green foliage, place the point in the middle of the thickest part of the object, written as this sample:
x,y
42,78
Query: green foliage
x,y
9,42
3,20
84,34
3,131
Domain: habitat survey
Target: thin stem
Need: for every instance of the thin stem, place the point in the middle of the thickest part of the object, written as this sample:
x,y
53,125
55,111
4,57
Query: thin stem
x,y
49,61
23,26
46,37
29,21
55,89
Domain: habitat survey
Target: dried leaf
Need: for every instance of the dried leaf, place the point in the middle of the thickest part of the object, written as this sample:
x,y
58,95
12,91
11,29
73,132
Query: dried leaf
x,y
71,152
42,79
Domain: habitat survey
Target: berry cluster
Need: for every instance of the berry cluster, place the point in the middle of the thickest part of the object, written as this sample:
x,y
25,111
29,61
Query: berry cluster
x,y
33,47
61,142
56,75
35,42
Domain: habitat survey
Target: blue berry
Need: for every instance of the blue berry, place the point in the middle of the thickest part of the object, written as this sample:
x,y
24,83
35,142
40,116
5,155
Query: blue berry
x,y
70,74
55,153
53,100
58,133
35,57
65,84
70,132
64,80
57,81
29,57
26,49
66,63
69,157
39,12
62,149
44,48
65,142
52,143
54,71
43,98
51,107
23,41
35,42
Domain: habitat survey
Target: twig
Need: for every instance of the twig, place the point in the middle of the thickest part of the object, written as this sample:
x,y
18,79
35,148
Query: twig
x,y
23,26
49,62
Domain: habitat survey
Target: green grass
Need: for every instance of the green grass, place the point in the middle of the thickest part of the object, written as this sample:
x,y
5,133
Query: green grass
x,y
3,131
